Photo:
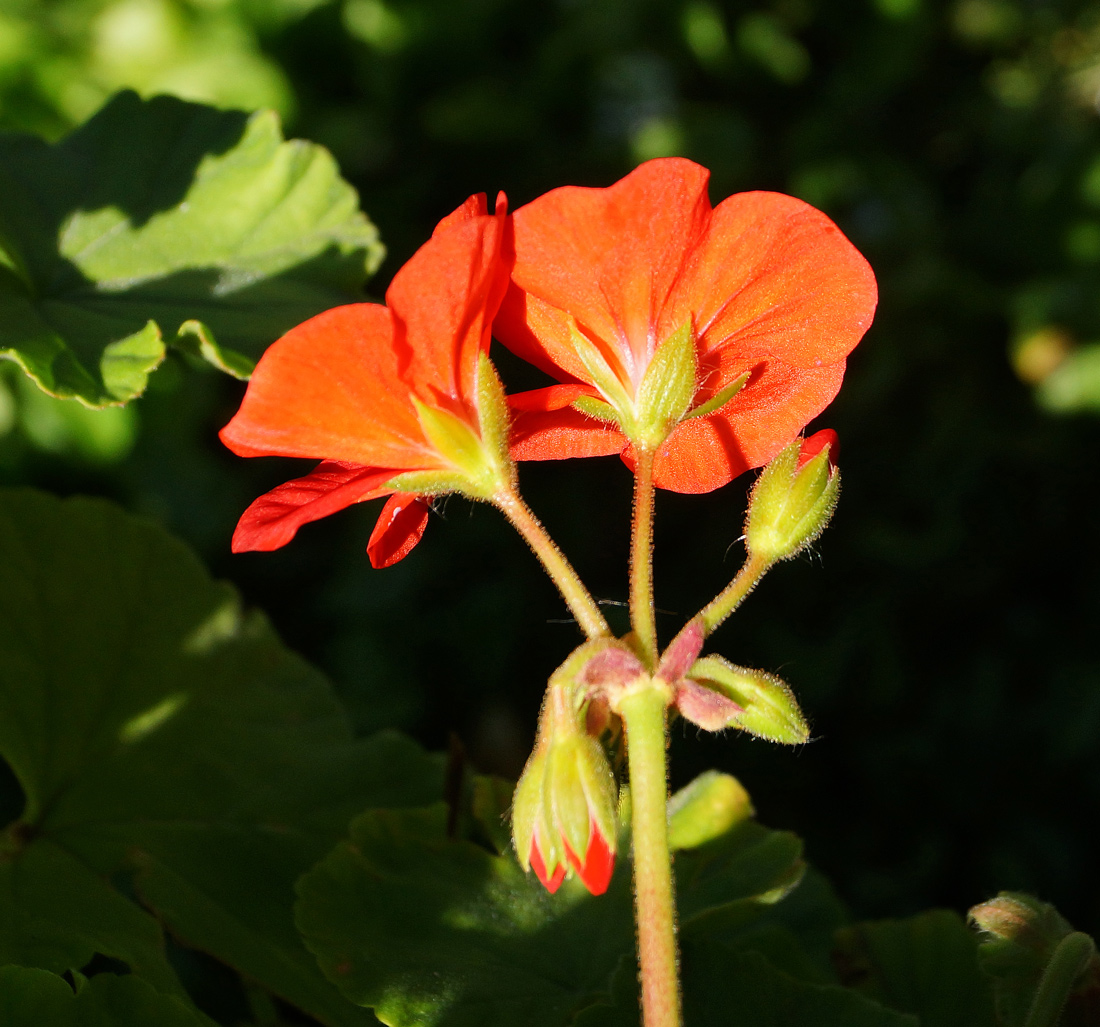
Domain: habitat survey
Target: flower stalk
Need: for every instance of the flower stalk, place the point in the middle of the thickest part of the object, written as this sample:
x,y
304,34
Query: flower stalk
x,y
642,618
731,597
561,572
644,714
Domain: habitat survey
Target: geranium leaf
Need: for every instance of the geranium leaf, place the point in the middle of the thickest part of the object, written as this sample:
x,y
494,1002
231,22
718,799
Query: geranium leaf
x,y
427,929
30,997
166,737
161,222
927,965
723,985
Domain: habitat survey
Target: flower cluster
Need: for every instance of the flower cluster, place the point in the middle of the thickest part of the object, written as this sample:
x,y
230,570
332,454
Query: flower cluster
x,y
697,342
713,335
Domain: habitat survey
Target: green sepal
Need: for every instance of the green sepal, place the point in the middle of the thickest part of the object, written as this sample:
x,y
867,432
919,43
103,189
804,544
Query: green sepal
x,y
604,378
705,809
791,505
566,802
527,807
597,408
492,405
719,400
427,483
479,473
579,790
451,437
599,787
768,707
667,388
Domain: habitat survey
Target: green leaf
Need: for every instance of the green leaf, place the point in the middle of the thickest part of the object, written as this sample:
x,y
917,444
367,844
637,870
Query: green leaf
x,y
743,989
926,965
427,929
164,222
165,737
35,998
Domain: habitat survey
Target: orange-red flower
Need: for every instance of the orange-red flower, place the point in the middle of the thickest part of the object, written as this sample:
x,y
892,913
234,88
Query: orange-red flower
x,y
765,289
392,399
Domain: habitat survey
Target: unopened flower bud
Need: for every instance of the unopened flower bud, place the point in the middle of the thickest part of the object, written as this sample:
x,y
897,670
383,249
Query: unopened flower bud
x,y
793,498
716,695
563,815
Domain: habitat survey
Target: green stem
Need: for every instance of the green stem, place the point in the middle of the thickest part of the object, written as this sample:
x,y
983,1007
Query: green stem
x,y
576,596
643,713
723,604
641,559
1070,958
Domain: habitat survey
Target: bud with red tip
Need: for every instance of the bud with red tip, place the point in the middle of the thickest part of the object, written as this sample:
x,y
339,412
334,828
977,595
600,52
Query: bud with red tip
x,y
793,498
563,814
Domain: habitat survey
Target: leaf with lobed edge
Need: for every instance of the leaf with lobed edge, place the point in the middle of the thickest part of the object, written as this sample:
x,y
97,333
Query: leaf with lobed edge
x,y
165,223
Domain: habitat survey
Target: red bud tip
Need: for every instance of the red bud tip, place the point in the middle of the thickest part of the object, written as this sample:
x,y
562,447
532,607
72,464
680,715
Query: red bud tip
x,y
552,882
816,443
598,865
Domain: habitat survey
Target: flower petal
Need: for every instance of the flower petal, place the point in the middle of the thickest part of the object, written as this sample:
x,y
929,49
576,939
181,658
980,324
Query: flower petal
x,y
774,277
816,443
552,882
561,435
399,528
274,519
444,300
705,453
598,864
330,389
608,258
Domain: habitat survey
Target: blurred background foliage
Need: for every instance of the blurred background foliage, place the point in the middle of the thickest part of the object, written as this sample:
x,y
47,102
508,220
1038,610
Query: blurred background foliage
x,y
944,640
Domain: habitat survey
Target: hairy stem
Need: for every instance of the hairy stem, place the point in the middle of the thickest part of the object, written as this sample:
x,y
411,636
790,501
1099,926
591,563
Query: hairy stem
x,y
576,596
723,604
643,713
641,559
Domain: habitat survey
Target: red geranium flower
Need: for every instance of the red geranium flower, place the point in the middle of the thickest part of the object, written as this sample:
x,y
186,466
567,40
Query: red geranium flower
x,y
765,288
390,398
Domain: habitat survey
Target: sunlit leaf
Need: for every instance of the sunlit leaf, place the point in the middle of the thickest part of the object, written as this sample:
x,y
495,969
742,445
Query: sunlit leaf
x,y
161,222
432,930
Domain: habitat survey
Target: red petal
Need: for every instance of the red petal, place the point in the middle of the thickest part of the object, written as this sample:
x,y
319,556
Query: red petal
x,y
598,865
444,300
607,257
816,443
330,389
704,453
476,206
399,527
553,397
562,434
773,277
274,519
551,882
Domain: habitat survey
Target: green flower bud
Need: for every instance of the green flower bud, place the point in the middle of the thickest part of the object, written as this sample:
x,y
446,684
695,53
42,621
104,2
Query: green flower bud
x,y
563,814
716,695
793,499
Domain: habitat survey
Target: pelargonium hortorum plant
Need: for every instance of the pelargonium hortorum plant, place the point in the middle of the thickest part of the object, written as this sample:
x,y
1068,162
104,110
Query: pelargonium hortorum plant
x,y
695,342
